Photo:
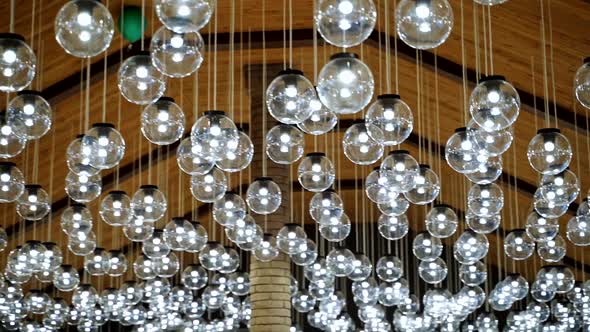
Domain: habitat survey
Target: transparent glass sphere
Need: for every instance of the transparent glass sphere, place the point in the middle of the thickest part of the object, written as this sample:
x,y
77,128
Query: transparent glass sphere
x,y
33,203
493,142
239,283
345,23
115,208
84,296
37,301
393,227
83,188
162,122
288,97
470,247
561,188
485,200
263,196
542,290
362,268
389,120
194,277
213,135
316,172
149,203
144,268
320,120
461,153
302,301
578,230
377,187
427,186
82,244
339,261
116,264
267,249
426,247
322,289
139,81
548,208
433,272
473,274
189,159
494,103
292,239
177,54
197,237
10,144
78,157
284,144
240,158
560,276
33,253
345,84
210,256
84,28
337,229
167,266
441,221
229,209
359,147
318,271
94,263
552,250
487,171
209,187
230,260
29,115
367,290
177,233
389,268
184,15
518,245
582,84
393,293
66,278
106,146
326,207
541,229
549,152
17,64
394,207
424,24
155,246
138,230
244,231
401,170
12,182
483,225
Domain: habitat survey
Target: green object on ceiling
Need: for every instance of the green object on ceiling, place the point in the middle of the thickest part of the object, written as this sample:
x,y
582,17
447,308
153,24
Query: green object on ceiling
x,y
129,23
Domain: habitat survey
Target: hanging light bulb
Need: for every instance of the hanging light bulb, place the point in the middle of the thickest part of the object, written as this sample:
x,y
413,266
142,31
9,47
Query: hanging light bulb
x,y
427,186
78,157
116,264
473,274
94,264
320,120
441,221
37,301
393,227
401,171
76,219
29,115
139,81
461,153
33,203
548,208
362,268
345,84
239,283
12,182
291,239
177,54
518,245
424,24
485,200
434,271
426,247
316,172
470,247
561,188
167,266
155,246
106,146
10,144
552,250
83,188
326,206
189,159
359,147
284,144
82,244
288,97
377,187
339,261
210,256
267,249
84,28
185,16
486,172
115,208
582,84
66,278
197,237
17,63
483,225
389,120
541,229
578,230
177,233
493,142
307,255
213,135
389,268
144,268
230,261
494,103
138,230
345,23
549,152
336,229
394,207
240,158
263,196
162,122
209,187
149,203
194,277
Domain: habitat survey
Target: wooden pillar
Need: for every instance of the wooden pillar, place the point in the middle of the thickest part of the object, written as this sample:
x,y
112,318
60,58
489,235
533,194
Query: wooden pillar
x,y
270,294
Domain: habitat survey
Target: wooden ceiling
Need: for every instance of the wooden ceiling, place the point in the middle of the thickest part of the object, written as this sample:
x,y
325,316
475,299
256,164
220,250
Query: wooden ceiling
x,y
435,84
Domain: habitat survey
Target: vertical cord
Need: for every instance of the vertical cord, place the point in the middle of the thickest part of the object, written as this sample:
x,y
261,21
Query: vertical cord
x,y
142,23
291,33
264,161
215,58
490,39
387,49
11,25
395,54
551,61
463,66
545,83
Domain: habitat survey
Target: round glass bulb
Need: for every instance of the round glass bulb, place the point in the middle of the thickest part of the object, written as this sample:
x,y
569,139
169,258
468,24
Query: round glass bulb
x,y
177,54
105,144
389,120
115,208
213,135
320,121
359,147
149,203
441,221
263,196
209,187
17,63
288,97
424,24
494,103
12,182
345,23
185,15
162,122
316,172
139,81
284,144
240,158
33,203
189,159
427,247
29,115
549,152
518,245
